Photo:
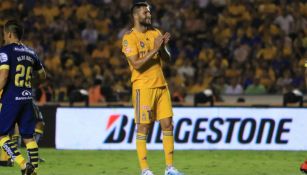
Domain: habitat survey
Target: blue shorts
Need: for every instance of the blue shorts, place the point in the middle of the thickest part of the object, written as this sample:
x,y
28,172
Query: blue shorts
x,y
22,114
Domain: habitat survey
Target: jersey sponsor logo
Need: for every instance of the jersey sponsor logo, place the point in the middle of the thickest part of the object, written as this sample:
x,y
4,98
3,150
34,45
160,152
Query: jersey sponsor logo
x,y
26,93
24,49
3,57
23,98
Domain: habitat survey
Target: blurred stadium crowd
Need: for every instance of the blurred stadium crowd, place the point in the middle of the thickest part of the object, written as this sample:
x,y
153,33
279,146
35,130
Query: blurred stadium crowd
x,y
229,46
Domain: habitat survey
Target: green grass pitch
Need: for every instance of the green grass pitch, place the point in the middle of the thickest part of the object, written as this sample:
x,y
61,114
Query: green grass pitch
x,y
60,162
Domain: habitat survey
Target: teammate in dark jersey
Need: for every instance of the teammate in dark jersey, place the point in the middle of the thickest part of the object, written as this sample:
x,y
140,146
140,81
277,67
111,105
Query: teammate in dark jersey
x,y
17,65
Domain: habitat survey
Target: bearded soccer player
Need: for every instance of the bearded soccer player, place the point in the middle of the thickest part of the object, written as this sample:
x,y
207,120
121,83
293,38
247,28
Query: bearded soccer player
x,y
17,64
304,165
145,48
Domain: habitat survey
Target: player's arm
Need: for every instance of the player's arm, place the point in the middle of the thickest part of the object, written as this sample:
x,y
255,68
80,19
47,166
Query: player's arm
x,y
39,69
4,69
138,60
164,51
4,73
42,74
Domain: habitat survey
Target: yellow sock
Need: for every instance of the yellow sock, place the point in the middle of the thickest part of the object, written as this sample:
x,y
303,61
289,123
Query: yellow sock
x,y
142,150
21,161
168,145
11,149
32,149
3,155
39,131
15,139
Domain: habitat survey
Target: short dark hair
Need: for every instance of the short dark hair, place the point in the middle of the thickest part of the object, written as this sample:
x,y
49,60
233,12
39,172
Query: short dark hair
x,y
15,27
138,5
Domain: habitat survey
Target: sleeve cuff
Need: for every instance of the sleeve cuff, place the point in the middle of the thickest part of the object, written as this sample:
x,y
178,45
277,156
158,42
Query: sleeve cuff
x,y
5,66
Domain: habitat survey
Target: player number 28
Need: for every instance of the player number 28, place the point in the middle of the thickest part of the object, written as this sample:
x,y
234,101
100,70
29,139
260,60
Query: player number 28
x,y
23,76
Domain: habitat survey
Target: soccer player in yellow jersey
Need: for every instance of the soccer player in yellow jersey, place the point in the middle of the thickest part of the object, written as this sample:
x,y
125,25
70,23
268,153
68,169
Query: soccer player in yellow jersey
x,y
145,48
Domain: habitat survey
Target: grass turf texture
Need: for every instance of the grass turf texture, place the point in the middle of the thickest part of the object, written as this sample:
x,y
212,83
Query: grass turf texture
x,y
60,162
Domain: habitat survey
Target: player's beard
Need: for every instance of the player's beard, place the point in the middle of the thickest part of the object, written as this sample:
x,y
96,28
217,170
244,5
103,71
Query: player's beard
x,y
146,22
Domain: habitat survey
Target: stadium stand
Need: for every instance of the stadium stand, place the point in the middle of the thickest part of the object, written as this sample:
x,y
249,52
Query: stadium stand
x,y
233,47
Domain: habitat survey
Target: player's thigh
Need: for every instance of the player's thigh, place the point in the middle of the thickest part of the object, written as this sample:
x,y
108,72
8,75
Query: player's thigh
x,y
164,107
143,103
8,116
26,121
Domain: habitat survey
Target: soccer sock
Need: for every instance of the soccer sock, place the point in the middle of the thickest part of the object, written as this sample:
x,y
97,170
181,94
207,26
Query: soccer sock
x,y
38,134
3,155
15,140
168,145
32,149
142,150
12,150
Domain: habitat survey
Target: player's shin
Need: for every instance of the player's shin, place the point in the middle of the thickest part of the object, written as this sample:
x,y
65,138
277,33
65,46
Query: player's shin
x,y
38,134
142,150
39,129
32,149
11,149
168,145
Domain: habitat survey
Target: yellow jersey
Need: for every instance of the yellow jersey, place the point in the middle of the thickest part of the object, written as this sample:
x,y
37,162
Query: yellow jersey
x,y
138,44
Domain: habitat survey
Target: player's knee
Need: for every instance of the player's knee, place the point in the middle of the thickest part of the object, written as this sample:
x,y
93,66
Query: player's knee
x,y
168,127
167,124
143,128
